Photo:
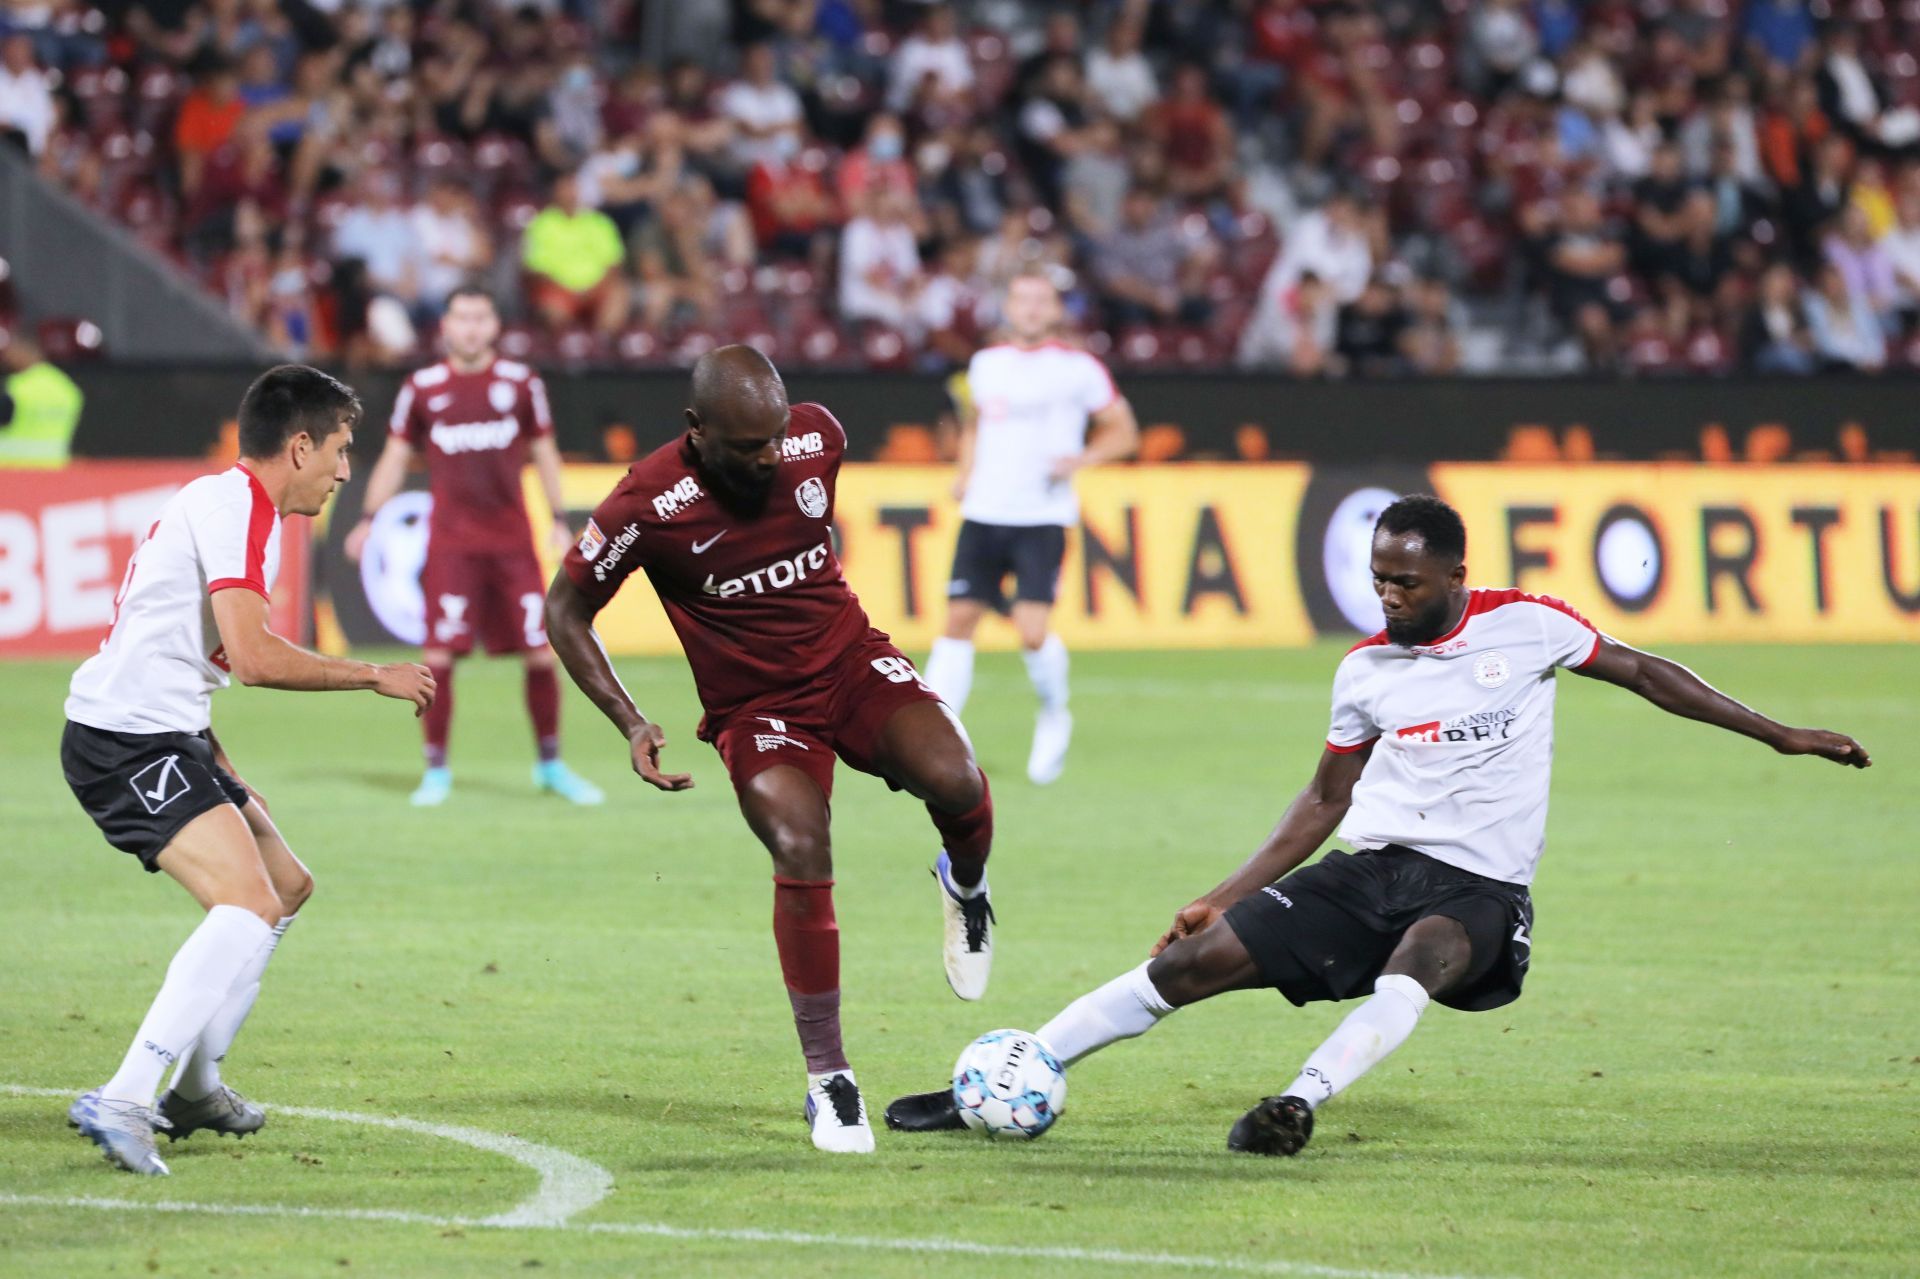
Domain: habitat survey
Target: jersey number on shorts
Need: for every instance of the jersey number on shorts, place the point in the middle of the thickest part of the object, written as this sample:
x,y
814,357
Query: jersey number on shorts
x,y
535,628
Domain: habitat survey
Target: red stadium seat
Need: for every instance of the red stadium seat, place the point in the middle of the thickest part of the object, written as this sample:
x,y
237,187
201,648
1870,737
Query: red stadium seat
x,y
640,347
884,348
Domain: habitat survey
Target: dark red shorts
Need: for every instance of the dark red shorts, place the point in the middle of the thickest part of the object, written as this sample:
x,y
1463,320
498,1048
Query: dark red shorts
x,y
841,714
497,596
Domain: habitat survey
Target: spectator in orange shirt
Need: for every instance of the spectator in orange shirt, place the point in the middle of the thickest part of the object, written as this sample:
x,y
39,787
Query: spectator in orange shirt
x,y
206,121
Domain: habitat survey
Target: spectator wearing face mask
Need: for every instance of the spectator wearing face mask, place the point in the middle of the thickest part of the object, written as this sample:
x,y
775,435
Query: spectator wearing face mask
x,y
879,163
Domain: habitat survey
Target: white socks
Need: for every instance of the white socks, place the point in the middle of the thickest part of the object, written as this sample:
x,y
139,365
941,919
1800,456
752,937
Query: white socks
x,y
198,1073
950,671
203,973
1363,1040
1047,668
1125,1007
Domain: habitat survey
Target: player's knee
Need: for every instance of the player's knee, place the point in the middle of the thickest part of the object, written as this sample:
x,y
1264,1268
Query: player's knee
x,y
295,895
1182,973
801,854
956,784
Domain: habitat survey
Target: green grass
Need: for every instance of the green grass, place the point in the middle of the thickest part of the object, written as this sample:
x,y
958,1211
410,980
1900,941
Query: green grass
x,y
1715,1069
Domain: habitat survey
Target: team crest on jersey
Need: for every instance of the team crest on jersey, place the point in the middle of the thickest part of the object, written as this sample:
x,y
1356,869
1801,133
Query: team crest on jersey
x,y
812,496
1492,669
503,396
591,541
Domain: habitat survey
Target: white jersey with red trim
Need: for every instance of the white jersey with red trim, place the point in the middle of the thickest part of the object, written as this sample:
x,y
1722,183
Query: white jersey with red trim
x,y
1031,405
162,660
1462,733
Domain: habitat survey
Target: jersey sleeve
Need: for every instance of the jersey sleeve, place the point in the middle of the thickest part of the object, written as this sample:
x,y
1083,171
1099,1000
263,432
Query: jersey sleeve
x,y
403,424
539,416
610,548
817,417
1097,390
1349,728
231,542
1571,640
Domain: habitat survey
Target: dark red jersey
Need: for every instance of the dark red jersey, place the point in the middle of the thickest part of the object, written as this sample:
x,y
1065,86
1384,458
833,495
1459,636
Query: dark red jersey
x,y
473,430
759,602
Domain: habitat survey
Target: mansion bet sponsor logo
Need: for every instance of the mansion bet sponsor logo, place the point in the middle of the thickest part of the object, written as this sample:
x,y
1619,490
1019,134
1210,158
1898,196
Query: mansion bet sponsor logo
x,y
1480,726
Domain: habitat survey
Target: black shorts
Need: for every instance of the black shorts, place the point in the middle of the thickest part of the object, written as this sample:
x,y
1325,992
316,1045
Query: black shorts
x,y
987,553
141,788
1326,931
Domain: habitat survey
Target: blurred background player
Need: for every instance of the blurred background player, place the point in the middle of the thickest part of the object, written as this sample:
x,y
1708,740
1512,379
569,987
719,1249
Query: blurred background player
x,y
140,755
1023,435
476,419
733,524
1436,770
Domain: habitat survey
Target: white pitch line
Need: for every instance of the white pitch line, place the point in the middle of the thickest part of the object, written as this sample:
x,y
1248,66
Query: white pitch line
x,y
568,1183
1132,1261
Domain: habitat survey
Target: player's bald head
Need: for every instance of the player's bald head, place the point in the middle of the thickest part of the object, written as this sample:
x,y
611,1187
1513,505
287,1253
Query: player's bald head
x,y
737,384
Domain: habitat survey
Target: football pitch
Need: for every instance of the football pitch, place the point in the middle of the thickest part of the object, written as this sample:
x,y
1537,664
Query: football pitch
x,y
1715,1069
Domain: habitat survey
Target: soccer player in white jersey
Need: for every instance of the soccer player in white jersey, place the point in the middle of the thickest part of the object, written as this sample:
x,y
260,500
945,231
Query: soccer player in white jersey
x,y
140,755
1435,771
1027,433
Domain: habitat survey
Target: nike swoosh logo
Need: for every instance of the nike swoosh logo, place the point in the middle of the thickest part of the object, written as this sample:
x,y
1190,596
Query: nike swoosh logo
x,y
700,548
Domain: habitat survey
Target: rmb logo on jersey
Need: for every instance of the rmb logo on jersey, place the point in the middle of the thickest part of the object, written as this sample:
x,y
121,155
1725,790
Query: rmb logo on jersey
x,y
616,549
591,541
160,783
502,396
1492,669
684,493
796,448
812,497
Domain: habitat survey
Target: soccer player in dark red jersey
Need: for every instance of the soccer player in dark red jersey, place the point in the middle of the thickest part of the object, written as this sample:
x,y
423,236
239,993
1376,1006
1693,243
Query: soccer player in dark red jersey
x,y
476,419
733,524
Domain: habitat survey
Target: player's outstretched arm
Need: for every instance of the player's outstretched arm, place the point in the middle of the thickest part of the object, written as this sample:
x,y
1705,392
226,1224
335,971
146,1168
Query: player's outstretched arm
x,y
1313,815
259,658
389,473
570,630
1674,688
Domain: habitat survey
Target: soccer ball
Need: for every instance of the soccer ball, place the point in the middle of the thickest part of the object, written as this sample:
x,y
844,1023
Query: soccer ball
x,y
1007,1084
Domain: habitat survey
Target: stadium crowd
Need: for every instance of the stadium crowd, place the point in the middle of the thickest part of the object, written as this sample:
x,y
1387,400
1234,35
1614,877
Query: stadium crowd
x,y
1335,189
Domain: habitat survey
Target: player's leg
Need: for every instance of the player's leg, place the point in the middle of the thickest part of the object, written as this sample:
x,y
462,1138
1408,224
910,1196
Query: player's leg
x,y
786,808
1194,968
214,857
448,583
514,620
197,1097
1037,557
921,747
973,587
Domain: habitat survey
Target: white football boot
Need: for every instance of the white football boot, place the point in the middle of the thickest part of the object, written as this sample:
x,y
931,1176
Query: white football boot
x,y
837,1114
967,944
1052,734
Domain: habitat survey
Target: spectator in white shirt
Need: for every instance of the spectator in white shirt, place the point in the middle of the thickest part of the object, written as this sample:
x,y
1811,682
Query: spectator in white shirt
x,y
453,248
1119,78
762,109
26,100
933,61
880,263
1901,244
378,232
1331,244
